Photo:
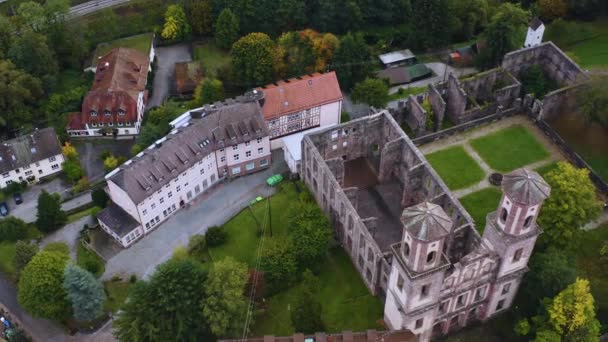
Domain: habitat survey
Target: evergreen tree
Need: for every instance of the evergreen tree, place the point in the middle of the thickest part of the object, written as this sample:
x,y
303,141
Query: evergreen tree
x,y
84,292
352,61
226,29
50,216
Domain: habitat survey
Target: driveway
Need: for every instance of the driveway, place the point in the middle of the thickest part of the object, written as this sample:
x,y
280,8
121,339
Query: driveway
x,y
27,210
164,78
93,6
211,209
89,154
69,234
354,110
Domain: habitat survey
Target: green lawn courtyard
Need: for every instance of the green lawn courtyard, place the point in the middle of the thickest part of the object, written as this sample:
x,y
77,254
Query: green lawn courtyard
x,y
509,148
212,57
456,167
479,204
140,42
346,302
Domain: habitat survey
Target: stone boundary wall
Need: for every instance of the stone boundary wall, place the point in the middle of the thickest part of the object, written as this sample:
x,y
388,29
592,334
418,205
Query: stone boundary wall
x,y
456,100
437,103
416,115
555,101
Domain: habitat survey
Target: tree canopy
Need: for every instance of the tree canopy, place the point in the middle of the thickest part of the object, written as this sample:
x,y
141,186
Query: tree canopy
x,y
352,60
306,313
176,25
50,216
84,292
226,29
19,92
371,91
594,102
209,90
253,59
24,252
279,264
12,229
310,233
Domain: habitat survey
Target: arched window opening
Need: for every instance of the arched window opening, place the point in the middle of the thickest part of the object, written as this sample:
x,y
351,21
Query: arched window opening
x,y
503,215
528,222
430,257
406,249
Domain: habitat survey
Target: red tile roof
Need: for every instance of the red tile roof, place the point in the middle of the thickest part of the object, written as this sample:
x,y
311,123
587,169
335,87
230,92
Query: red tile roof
x,y
121,75
300,93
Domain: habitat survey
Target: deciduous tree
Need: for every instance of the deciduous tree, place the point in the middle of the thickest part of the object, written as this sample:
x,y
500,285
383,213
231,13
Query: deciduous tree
x,y
20,92
31,53
225,304
310,233
371,91
434,22
208,91
50,216
471,17
552,9
296,54
253,59
176,25
352,61
594,102
12,229
84,292
279,265
24,252
200,16
572,203
306,313
226,29
41,292
572,313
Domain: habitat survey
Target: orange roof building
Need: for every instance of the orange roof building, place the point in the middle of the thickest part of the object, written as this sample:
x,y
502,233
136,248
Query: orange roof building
x,y
117,99
301,103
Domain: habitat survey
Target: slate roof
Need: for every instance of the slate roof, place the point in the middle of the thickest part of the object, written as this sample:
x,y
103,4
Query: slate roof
x,y
535,23
525,187
426,221
300,93
27,149
209,129
120,77
118,220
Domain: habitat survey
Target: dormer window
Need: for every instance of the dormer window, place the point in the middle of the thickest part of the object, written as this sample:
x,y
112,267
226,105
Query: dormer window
x,y
93,113
94,124
107,112
121,112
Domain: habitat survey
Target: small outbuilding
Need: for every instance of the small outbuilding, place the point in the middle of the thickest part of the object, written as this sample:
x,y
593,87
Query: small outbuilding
x,y
536,29
187,76
398,58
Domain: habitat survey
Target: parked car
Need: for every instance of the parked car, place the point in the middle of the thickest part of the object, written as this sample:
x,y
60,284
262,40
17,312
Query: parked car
x,y
17,197
274,180
3,209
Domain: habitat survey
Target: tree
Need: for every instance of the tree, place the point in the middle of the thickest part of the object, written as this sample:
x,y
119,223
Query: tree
x,y
572,313
209,90
296,53
20,92
594,102
6,35
176,25
552,9
572,203
12,229
40,287
49,216
100,198
352,61
24,252
471,17
168,307
72,170
306,313
371,91
225,305
31,53
434,22
253,59
33,15
215,236
69,151
84,292
504,33
110,163
226,29
536,81
279,265
547,336
200,16
310,233
291,14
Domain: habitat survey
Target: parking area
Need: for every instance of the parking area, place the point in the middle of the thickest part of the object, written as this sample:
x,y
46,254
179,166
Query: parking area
x,y
211,209
89,153
27,210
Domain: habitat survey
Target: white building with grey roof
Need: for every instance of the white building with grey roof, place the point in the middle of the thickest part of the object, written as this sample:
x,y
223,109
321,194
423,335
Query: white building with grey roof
x,y
216,143
30,157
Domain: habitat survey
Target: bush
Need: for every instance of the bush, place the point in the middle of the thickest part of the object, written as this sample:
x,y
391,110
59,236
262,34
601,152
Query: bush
x,y
116,278
12,229
196,245
92,266
344,117
215,236
100,197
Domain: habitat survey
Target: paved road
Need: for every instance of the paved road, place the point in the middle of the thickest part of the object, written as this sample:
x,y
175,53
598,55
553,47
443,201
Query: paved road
x,y
41,330
212,209
166,58
92,6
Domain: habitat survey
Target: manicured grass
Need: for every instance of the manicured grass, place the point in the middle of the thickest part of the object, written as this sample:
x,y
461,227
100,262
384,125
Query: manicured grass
x,y
116,292
86,257
480,203
509,148
593,51
7,252
212,57
346,303
456,167
403,93
140,42
590,267
242,229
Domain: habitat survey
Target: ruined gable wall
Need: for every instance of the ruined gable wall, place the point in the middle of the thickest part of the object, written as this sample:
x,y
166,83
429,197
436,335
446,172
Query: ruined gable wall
x,y
416,115
437,103
456,100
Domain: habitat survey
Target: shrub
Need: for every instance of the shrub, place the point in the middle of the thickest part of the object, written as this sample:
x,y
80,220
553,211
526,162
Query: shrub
x,y
100,197
92,266
196,245
116,278
344,117
12,229
215,236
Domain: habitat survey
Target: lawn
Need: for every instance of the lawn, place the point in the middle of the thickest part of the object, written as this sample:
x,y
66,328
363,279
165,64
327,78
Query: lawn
x,y
116,292
346,303
88,259
590,267
456,167
7,252
591,48
509,148
80,214
140,42
479,204
212,57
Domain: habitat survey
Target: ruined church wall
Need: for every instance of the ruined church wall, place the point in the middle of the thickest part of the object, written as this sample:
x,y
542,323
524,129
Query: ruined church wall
x,y
416,115
437,103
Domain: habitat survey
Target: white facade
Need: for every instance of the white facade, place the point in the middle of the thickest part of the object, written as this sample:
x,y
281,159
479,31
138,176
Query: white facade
x,y
534,37
34,171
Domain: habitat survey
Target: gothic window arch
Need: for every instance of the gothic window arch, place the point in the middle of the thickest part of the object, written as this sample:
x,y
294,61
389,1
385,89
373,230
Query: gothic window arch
x,y
528,222
430,257
406,249
503,215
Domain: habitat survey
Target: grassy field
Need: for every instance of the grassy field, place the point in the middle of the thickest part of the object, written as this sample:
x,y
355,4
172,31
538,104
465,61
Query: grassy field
x,y
140,42
590,49
346,302
86,257
7,252
480,203
116,292
212,57
509,148
456,167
